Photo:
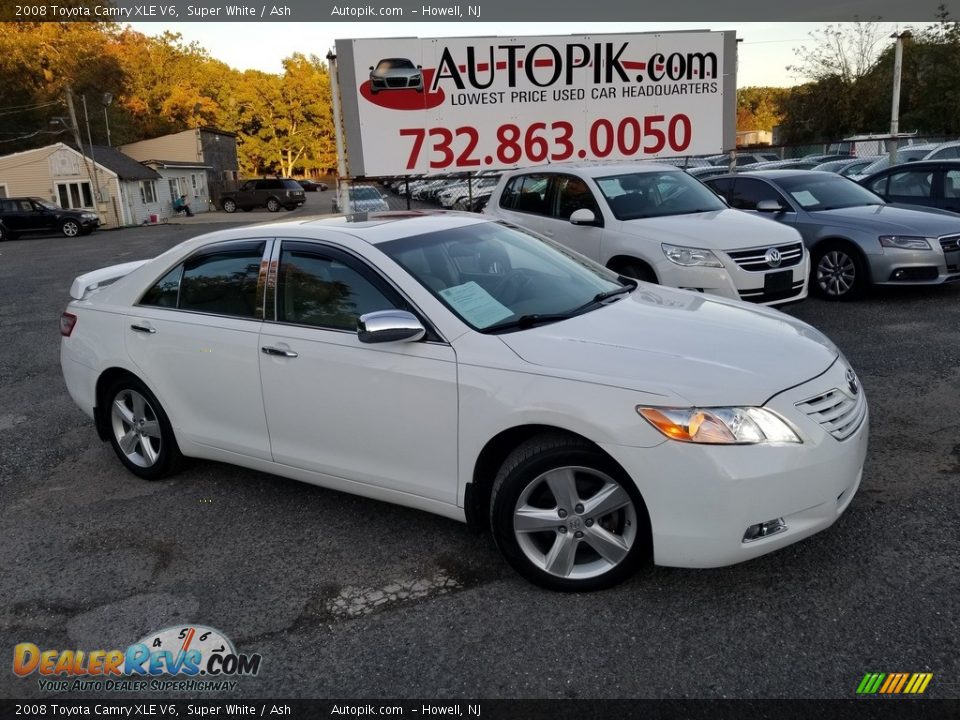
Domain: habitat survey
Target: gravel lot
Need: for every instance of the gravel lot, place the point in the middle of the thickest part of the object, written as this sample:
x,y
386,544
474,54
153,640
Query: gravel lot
x,y
346,597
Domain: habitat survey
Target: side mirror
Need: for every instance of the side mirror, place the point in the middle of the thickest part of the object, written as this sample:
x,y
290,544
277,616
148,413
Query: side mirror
x,y
386,326
371,68
419,67
583,216
771,206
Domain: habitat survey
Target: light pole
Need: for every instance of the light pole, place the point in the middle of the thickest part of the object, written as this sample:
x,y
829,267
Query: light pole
x,y
895,108
106,100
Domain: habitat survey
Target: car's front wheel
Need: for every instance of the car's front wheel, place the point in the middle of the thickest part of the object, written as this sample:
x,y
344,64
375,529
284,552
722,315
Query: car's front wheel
x,y
567,517
838,272
639,272
229,206
273,205
70,228
140,431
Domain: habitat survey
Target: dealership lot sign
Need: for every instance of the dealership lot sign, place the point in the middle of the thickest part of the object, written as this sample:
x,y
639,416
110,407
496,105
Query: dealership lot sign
x,y
414,105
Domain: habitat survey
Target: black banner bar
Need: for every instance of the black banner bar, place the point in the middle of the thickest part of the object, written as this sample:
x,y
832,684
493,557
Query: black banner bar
x,y
859,709
419,11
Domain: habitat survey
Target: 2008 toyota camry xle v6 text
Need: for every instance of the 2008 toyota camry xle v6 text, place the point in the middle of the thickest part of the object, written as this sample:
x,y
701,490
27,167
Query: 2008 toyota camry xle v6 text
x,y
469,368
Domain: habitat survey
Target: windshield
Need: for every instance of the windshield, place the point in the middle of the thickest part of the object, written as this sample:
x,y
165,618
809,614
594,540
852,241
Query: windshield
x,y
365,193
827,192
656,194
491,274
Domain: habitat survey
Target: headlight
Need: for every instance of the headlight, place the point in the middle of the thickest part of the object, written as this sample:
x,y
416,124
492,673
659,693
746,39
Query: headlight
x,y
904,242
719,426
689,256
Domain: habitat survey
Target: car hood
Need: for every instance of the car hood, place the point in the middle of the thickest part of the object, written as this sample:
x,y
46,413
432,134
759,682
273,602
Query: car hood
x,y
726,229
891,219
711,352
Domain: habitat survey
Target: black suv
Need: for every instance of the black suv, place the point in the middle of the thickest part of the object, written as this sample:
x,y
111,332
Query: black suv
x,y
23,215
271,193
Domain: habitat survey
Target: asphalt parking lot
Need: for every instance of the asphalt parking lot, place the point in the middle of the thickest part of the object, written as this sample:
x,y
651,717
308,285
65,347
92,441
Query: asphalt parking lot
x,y
347,597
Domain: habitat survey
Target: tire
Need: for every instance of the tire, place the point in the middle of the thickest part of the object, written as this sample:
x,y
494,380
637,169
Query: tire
x,y
639,272
560,547
229,206
4,234
837,272
273,205
140,432
70,228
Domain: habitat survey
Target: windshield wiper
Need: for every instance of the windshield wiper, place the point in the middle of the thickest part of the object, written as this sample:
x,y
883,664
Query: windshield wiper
x,y
528,321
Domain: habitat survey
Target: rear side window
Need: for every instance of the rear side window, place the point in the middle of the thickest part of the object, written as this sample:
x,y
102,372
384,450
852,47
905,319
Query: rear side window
x,y
269,184
219,282
291,185
526,193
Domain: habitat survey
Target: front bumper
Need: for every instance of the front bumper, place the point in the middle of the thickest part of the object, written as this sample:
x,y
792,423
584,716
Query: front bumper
x,y
702,498
733,282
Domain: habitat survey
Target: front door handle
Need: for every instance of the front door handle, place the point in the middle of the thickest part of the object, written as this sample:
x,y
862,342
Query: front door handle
x,y
143,328
279,352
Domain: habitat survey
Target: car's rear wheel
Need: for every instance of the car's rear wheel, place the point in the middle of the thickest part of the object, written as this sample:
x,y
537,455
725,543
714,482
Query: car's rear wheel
x,y
229,206
140,432
273,205
70,228
567,517
4,233
838,272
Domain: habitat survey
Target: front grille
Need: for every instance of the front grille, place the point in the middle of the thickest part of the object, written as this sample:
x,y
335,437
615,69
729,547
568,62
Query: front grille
x,y
951,250
754,260
761,296
838,412
396,82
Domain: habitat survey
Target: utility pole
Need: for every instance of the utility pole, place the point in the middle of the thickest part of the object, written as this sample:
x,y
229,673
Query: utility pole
x,y
895,109
76,133
96,195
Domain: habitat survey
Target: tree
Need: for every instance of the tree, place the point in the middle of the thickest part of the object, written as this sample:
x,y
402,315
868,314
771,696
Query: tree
x,y
847,52
758,108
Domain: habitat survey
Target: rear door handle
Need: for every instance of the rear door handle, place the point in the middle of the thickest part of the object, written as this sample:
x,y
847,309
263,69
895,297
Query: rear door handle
x,y
143,329
280,352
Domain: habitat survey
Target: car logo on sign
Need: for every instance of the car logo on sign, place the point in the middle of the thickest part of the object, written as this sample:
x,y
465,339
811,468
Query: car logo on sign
x,y
773,257
852,383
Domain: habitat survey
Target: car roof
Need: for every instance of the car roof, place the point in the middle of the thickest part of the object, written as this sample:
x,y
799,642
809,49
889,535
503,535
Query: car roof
x,y
595,170
777,174
373,228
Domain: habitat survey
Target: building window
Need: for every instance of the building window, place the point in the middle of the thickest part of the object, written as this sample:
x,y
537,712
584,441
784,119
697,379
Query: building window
x,y
174,188
74,195
148,191
3,191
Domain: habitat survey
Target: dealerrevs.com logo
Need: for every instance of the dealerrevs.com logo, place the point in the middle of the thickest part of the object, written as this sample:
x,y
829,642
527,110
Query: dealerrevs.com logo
x,y
189,659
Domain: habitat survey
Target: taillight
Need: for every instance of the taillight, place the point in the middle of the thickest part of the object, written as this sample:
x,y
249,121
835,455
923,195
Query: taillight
x,y
68,321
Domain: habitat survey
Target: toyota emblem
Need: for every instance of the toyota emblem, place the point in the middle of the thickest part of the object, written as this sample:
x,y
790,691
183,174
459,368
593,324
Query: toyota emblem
x,y
852,383
773,257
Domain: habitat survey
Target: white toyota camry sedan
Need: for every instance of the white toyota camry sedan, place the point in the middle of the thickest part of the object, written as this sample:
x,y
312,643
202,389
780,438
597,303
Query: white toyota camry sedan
x,y
465,367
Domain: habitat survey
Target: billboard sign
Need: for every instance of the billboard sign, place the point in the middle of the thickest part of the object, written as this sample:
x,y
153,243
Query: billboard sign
x,y
413,105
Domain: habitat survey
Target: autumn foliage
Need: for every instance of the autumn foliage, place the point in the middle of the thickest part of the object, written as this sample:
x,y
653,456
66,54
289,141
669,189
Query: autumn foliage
x,y
160,85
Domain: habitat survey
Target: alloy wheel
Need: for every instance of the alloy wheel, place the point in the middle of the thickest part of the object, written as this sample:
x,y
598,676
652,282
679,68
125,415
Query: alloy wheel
x,y
136,428
836,273
575,522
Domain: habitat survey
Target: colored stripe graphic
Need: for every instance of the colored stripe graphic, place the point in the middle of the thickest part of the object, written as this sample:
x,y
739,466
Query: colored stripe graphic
x,y
894,683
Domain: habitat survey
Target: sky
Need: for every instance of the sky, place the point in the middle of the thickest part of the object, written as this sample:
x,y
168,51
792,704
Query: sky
x,y
766,51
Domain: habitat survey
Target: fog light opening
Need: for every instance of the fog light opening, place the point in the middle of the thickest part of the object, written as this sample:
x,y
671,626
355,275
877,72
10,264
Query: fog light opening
x,y
764,530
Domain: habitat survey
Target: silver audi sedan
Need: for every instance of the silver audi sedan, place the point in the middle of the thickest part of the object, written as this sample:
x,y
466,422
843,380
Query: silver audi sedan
x,y
856,239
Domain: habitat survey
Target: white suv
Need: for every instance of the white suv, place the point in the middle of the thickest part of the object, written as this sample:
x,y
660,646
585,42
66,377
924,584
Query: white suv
x,y
656,223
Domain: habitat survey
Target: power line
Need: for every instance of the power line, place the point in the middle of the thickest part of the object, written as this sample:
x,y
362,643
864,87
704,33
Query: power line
x,y
24,108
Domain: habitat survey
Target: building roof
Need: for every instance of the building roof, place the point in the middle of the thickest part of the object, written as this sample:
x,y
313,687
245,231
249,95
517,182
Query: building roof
x,y
124,166
177,164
